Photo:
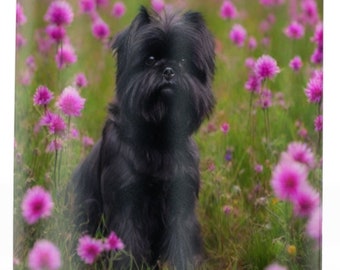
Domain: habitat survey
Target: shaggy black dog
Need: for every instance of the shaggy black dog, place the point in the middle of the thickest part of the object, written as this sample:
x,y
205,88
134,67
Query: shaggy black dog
x,y
141,179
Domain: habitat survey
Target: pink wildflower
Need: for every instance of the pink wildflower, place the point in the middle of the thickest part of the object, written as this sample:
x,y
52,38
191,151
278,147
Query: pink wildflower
x,y
275,266
314,90
87,6
100,29
102,3
317,56
265,99
118,9
80,80
296,63
295,30
59,13
113,242
314,225
42,96
252,43
37,204
54,146
70,102
318,123
266,67
74,133
87,141
89,249
20,41
44,256
157,5
227,209
258,168
20,16
253,84
310,11
56,32
318,36
228,10
250,62
225,127
238,35
30,63
301,153
305,201
287,179
54,123
65,56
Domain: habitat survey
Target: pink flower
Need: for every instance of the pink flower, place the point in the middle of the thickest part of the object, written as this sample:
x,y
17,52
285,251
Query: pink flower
x,y
310,11
314,225
100,29
252,43
318,36
275,266
317,56
37,204
266,67
113,242
20,16
80,80
87,6
118,9
265,98
250,62
44,256
56,33
65,56
54,146
225,127
70,102
287,179
54,123
42,96
238,35
295,30
59,13
89,249
301,153
318,123
20,41
258,168
157,5
296,63
228,10
314,90
87,141
305,201
30,62
102,3
227,209
74,133
253,84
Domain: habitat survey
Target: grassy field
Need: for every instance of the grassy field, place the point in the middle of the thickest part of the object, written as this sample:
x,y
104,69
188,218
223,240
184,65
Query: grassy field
x,y
244,225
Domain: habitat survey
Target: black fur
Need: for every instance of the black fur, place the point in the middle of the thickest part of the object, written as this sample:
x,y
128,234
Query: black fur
x,y
142,176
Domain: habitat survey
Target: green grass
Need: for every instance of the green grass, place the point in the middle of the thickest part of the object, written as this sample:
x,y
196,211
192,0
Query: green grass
x,y
259,228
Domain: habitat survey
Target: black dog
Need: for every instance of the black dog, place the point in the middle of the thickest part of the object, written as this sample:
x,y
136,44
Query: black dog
x,y
142,177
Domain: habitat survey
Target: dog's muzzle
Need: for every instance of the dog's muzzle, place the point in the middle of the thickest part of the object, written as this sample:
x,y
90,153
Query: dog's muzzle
x,y
168,74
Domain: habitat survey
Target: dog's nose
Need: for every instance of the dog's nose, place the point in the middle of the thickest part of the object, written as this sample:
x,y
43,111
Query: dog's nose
x,y
168,73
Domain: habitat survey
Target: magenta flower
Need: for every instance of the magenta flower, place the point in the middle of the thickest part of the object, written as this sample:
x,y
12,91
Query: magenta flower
x,y
238,35
30,63
87,141
317,56
113,242
89,249
80,80
228,10
36,204
42,96
100,29
250,62
44,256
59,13
296,63
65,56
258,168
227,209
314,225
266,67
20,41
287,179
102,3
301,153
225,127
20,16
314,90
318,123
74,133
118,9
157,5
56,33
265,100
87,6
275,266
253,84
310,11
252,43
70,102
54,146
54,123
318,36
295,30
305,201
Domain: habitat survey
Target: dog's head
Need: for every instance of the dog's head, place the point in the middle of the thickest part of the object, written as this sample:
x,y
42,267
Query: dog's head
x,y
165,67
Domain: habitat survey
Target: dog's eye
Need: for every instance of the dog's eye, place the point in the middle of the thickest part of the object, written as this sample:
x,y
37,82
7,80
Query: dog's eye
x,y
150,61
182,62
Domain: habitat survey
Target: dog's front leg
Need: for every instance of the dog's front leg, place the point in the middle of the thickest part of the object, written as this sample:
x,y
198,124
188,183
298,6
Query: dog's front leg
x,y
184,244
